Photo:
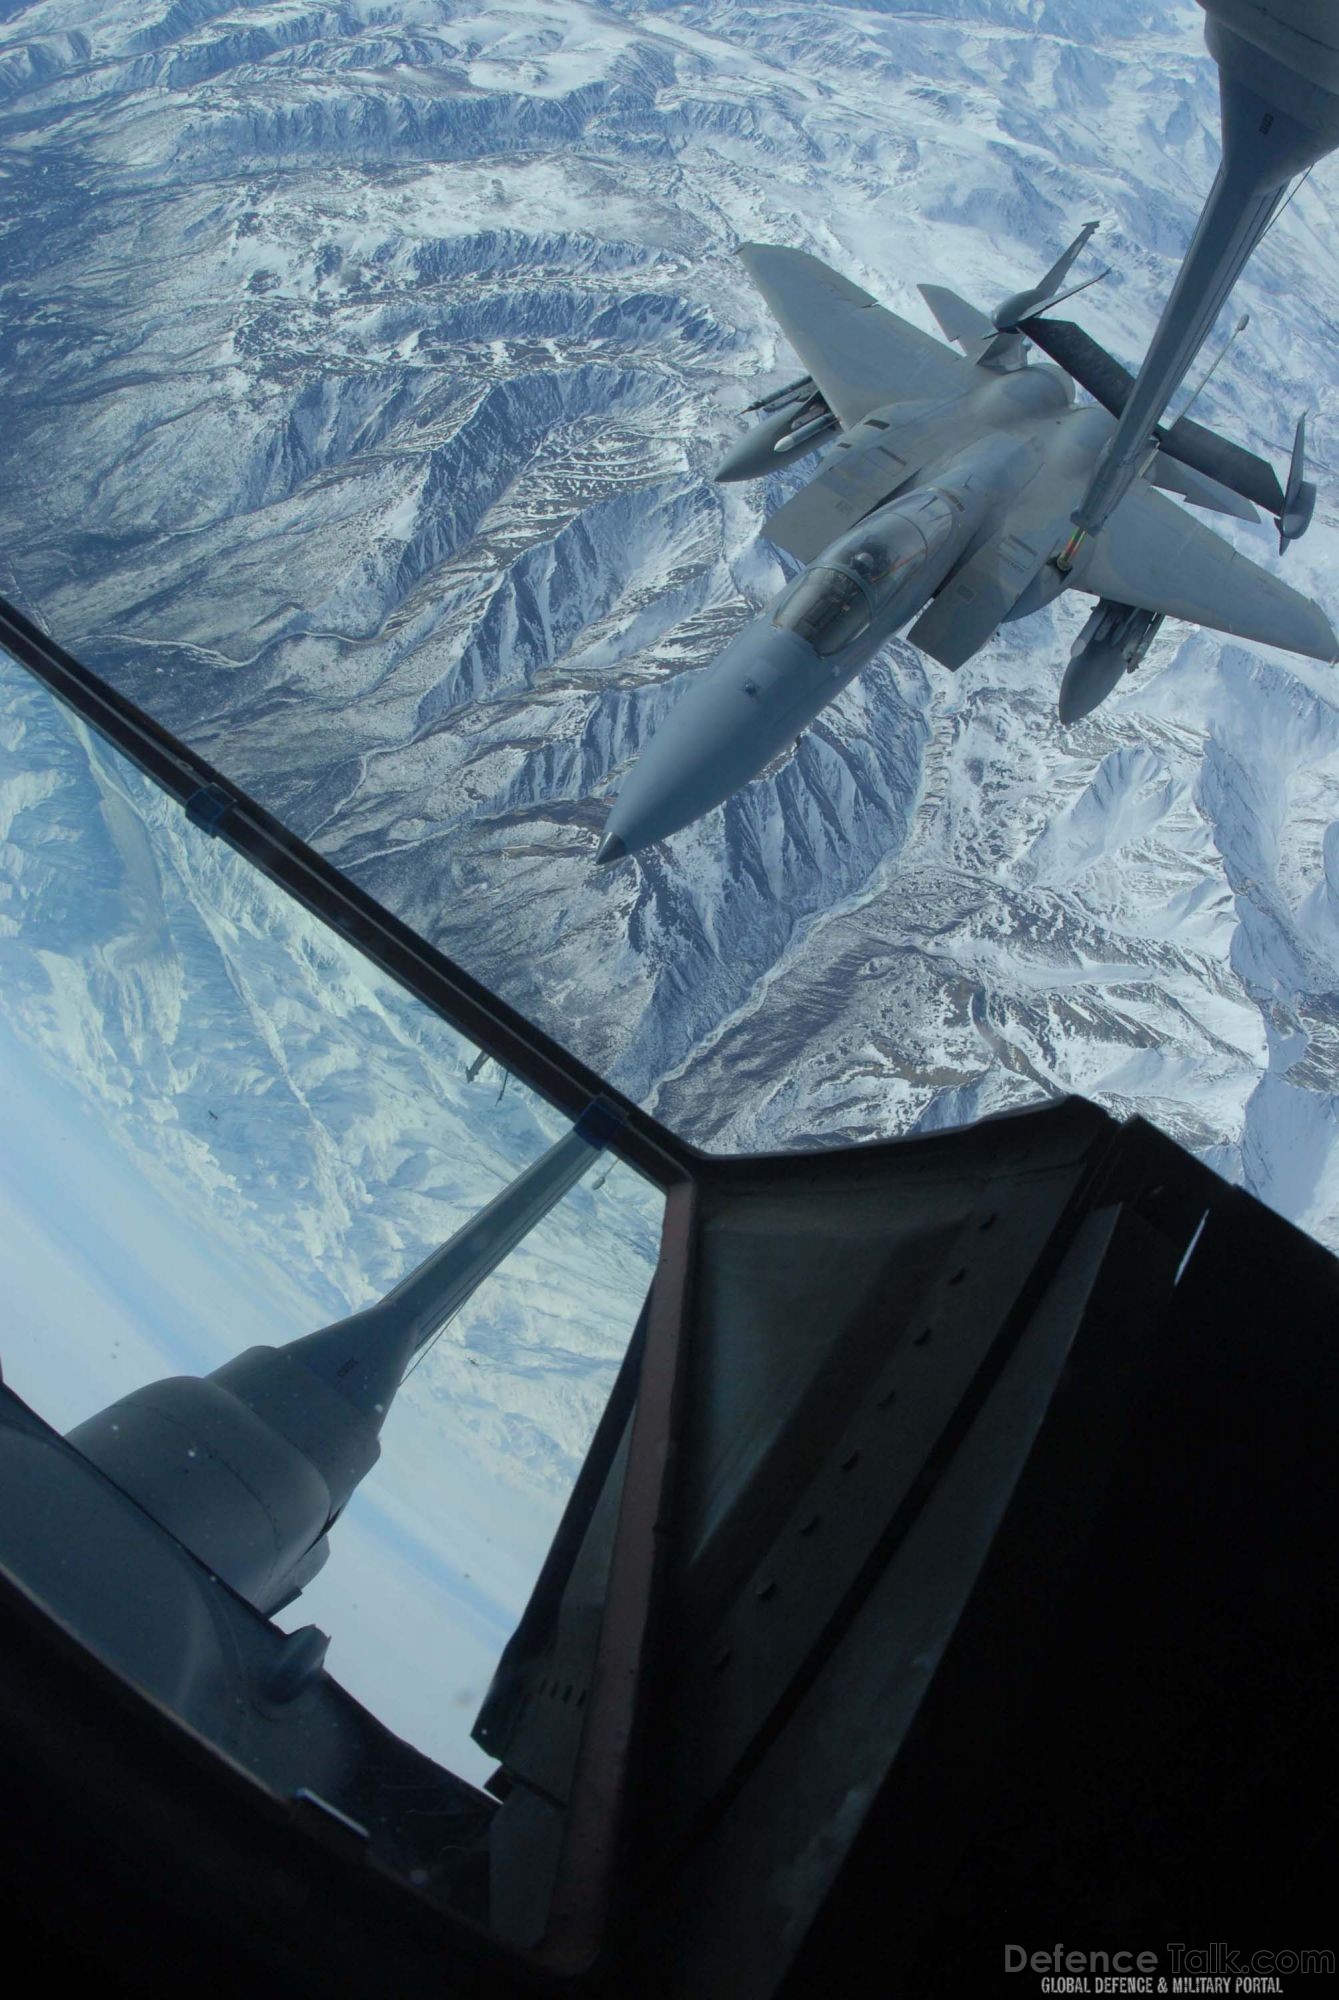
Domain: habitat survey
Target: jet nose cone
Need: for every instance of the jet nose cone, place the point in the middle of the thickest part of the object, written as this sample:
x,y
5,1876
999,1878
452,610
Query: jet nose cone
x,y
611,848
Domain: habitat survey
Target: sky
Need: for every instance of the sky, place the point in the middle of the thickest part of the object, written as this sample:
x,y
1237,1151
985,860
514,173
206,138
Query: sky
x,y
105,1289
219,1127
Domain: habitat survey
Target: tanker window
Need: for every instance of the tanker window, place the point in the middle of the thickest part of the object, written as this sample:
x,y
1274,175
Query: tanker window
x,y
825,606
277,1136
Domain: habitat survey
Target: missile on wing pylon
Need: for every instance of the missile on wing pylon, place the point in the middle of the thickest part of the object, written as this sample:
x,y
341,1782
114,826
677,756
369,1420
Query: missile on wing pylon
x,y
796,421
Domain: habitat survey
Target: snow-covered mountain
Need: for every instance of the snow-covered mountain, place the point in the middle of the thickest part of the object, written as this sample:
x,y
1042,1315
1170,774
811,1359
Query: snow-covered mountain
x,y
361,371
220,1126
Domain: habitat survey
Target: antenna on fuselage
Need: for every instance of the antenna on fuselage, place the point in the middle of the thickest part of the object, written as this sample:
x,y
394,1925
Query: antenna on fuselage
x,y
1209,372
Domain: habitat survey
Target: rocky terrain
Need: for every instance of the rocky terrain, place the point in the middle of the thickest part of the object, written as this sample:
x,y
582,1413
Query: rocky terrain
x,y
362,368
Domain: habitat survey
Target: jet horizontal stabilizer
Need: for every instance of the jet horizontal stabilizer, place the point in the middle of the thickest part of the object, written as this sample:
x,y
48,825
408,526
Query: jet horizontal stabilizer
x,y
1104,378
1201,491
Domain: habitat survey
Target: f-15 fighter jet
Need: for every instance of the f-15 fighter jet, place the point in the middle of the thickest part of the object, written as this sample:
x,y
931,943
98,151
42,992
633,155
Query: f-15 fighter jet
x,y
945,497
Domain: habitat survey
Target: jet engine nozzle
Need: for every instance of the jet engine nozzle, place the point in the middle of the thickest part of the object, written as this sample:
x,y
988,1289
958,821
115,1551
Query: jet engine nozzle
x,y
1113,642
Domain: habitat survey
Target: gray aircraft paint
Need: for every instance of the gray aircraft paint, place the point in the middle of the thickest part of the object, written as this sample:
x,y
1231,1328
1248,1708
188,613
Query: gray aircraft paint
x,y
249,1467
1005,445
1279,82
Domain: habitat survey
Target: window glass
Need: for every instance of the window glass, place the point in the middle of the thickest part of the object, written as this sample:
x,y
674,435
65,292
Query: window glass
x,y
361,380
221,1127
884,547
825,606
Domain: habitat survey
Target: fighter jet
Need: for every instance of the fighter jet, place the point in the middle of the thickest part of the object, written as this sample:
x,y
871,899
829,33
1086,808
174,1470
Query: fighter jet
x,y
943,501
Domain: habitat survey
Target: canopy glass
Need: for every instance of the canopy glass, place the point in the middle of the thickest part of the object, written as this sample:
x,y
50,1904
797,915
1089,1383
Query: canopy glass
x,y
222,1126
360,383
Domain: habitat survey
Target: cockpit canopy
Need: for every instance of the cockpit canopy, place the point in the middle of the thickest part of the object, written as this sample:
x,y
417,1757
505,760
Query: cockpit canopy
x,y
832,603
827,607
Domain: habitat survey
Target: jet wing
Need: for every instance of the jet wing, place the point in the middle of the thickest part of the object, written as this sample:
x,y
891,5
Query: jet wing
x,y
1152,554
858,477
1218,458
860,355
